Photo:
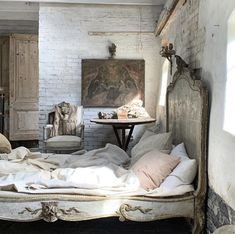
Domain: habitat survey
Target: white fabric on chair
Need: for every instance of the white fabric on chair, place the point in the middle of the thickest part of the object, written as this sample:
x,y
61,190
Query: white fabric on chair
x,y
65,133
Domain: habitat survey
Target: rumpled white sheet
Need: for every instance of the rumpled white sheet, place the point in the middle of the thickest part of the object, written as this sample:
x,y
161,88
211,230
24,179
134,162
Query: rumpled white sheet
x,y
97,172
22,160
97,169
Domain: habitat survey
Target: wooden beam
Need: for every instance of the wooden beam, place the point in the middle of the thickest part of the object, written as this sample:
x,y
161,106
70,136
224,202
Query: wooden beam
x,y
170,9
105,2
124,33
18,6
18,26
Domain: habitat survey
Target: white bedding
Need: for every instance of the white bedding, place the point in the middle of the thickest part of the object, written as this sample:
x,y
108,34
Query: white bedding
x,y
97,172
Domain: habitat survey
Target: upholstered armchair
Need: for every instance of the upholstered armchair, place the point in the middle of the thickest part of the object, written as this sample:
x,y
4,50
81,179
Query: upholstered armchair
x,y
64,132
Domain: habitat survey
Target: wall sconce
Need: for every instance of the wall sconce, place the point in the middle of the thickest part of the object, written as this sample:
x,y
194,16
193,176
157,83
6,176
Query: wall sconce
x,y
167,52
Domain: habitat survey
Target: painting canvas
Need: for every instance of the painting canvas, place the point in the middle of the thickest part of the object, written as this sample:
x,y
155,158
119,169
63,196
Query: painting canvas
x,y
112,82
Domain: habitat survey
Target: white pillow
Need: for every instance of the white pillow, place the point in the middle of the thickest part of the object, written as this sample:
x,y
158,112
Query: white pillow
x,y
160,141
185,171
179,151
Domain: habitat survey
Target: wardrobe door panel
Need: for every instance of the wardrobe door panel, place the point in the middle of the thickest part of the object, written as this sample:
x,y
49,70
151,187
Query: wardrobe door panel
x,y
23,87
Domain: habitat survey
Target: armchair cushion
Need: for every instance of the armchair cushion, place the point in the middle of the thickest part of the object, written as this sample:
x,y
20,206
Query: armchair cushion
x,y
64,142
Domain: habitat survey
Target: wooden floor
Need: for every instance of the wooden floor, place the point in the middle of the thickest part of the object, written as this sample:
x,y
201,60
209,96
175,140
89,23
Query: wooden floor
x,y
101,226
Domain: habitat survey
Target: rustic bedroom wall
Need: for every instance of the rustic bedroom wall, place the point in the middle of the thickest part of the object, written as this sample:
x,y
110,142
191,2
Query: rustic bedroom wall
x,y
69,33
199,32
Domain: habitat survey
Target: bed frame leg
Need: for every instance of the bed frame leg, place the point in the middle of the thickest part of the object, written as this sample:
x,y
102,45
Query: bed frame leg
x,y
199,217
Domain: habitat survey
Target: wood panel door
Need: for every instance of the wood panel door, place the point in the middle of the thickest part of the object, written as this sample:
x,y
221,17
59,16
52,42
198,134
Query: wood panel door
x,y
23,87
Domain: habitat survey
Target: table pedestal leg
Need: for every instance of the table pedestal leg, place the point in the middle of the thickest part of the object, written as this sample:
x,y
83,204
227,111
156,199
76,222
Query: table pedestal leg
x,y
124,142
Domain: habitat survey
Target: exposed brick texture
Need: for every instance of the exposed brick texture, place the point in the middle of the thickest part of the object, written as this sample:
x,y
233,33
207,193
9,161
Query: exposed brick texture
x,y
65,38
188,39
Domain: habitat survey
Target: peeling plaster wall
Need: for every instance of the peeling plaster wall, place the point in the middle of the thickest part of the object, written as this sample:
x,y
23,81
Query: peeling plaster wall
x,y
65,37
199,35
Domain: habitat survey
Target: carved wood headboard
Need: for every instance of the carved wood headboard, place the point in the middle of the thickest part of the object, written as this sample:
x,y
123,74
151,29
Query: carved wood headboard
x,y
187,115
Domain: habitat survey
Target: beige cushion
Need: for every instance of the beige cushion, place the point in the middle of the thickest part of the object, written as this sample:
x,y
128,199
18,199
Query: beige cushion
x,y
162,141
5,145
152,168
64,141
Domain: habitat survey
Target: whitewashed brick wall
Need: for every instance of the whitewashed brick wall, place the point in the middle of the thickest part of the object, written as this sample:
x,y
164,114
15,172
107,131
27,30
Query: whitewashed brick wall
x,y
65,37
186,35
188,40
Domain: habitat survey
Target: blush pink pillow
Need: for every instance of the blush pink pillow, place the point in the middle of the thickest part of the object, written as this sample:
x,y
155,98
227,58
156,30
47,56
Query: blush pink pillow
x,y
153,167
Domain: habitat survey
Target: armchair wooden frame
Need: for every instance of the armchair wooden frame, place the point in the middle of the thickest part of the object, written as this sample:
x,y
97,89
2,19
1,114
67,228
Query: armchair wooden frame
x,y
46,135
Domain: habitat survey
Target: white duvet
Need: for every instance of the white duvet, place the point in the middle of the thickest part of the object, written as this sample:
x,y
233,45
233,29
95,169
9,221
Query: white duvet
x,y
96,169
97,172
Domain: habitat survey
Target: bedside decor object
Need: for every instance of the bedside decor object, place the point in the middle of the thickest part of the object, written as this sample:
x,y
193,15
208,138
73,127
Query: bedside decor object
x,y
134,109
112,82
122,114
103,115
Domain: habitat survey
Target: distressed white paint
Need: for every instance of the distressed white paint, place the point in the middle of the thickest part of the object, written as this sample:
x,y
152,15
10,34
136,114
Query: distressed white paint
x,y
64,40
78,208
221,143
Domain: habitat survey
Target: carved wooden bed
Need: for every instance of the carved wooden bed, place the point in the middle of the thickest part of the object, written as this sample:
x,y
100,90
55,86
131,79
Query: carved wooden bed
x,y
187,116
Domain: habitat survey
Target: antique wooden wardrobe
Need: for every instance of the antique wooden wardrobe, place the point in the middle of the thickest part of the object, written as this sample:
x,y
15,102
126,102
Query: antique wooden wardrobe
x,y
19,83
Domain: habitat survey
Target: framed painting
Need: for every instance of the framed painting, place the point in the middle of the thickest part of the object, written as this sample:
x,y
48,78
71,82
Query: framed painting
x,y
112,82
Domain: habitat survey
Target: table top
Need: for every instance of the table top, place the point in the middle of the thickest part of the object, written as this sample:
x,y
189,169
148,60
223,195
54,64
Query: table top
x,y
133,121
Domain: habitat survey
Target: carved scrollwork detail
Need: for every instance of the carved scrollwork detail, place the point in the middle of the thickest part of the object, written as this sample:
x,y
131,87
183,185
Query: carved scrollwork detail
x,y
125,208
50,211
29,210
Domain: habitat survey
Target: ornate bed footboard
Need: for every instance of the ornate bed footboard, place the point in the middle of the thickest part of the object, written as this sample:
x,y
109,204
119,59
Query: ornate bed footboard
x,y
141,210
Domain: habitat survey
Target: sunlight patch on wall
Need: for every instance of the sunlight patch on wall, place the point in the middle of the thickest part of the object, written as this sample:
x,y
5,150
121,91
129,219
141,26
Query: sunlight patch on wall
x,y
229,111
165,71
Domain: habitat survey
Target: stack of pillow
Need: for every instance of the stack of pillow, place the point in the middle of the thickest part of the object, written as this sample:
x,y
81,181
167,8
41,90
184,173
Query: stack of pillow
x,y
185,171
155,167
